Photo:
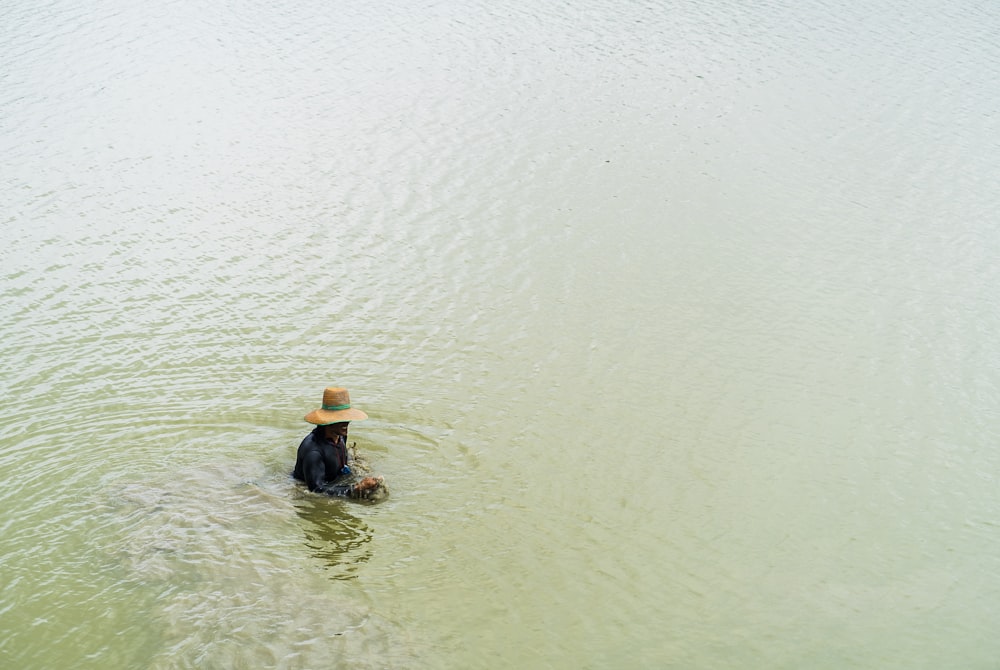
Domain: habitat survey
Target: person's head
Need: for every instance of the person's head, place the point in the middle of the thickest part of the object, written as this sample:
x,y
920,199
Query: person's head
x,y
336,410
332,431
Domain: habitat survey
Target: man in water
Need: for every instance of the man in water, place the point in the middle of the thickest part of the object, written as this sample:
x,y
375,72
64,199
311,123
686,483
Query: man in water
x,y
322,457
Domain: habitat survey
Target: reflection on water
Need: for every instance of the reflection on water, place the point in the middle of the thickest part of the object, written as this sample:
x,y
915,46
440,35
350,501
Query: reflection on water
x,y
218,583
334,535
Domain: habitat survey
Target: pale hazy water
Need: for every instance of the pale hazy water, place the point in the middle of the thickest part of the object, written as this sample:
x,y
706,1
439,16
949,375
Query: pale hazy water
x,y
677,324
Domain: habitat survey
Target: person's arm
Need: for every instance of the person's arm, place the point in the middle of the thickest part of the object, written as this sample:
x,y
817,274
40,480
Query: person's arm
x,y
362,489
315,474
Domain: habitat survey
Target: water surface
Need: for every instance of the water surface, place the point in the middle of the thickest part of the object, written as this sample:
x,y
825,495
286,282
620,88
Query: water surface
x,y
674,321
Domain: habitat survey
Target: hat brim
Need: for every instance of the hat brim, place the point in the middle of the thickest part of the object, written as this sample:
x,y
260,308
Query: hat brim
x,y
323,417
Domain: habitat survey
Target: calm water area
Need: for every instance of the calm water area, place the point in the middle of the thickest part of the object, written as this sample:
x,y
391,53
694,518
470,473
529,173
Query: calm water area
x,y
676,322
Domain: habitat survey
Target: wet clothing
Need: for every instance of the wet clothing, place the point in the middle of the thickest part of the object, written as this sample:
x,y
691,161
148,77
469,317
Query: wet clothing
x,y
322,462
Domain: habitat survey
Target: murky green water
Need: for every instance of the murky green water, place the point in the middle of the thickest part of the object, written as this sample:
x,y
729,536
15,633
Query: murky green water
x,y
675,321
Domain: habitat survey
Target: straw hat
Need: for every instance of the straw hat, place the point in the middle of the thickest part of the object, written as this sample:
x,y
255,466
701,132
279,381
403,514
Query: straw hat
x,y
336,408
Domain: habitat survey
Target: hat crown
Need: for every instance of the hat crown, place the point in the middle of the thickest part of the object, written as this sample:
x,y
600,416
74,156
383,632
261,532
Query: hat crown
x,y
336,398
336,408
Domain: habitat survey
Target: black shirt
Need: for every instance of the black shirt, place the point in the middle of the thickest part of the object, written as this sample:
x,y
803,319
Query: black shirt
x,y
320,462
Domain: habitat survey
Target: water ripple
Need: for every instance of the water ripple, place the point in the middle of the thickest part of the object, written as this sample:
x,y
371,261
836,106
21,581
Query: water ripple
x,y
678,310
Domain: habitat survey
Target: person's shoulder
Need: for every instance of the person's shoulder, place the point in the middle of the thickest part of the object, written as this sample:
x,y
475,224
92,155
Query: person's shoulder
x,y
308,440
